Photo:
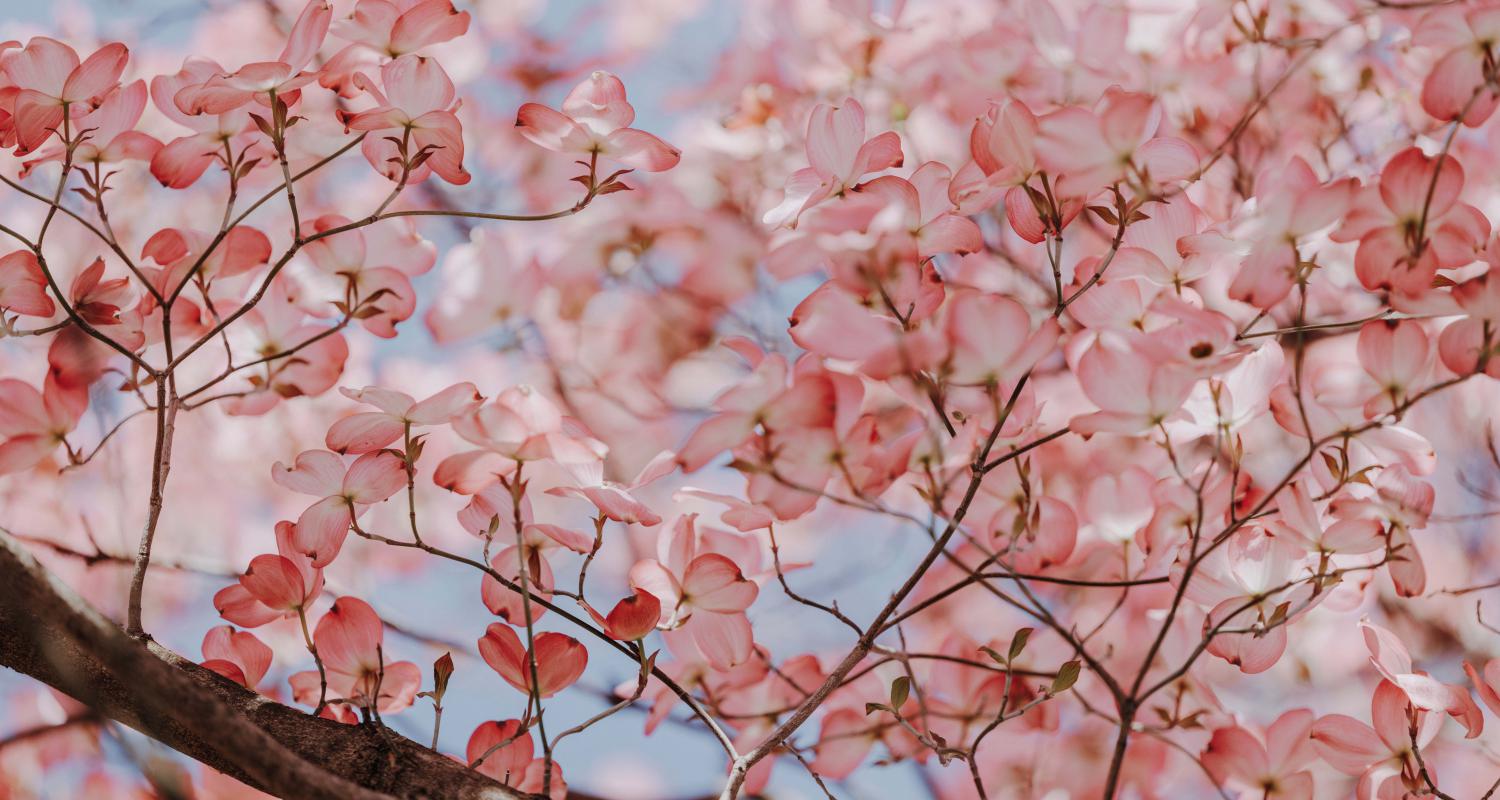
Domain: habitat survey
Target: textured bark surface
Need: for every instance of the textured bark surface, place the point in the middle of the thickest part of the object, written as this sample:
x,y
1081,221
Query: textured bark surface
x,y
51,634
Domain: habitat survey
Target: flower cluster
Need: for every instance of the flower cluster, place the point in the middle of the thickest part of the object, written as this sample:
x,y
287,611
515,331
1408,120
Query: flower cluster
x,y
1046,398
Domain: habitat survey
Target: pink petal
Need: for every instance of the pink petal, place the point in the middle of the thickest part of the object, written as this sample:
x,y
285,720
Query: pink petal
x,y
307,35
1235,753
36,116
182,161
315,472
348,637
362,433
834,137
44,65
23,287
322,528
374,477
714,583
560,661
1167,158
1348,745
417,85
426,23
650,576
725,640
503,651
641,150
544,126
507,763
600,96
98,73
276,583
460,398
235,604
880,153
844,741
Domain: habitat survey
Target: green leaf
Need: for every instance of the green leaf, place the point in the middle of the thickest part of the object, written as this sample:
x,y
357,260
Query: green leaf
x,y
900,689
1067,675
1018,642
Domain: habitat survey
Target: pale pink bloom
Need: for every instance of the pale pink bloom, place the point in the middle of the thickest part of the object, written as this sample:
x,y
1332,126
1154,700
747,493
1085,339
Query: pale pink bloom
x,y
1290,204
560,659
1047,539
398,414
512,763
279,325
1199,341
839,156
508,604
23,286
702,593
1004,149
1386,218
1134,392
740,515
349,640
388,29
509,749
521,424
1456,86
1397,357
1403,502
381,292
345,494
761,399
32,423
1381,754
632,618
1487,684
1393,662
1269,766
183,160
1003,143
1117,506
99,301
1087,150
1300,522
924,211
237,655
1168,248
468,304
992,339
53,84
239,250
1242,584
419,102
595,121
258,82
1468,343
613,500
108,133
845,738
273,586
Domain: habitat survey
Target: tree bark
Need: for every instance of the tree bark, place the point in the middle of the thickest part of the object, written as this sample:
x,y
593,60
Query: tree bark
x,y
51,634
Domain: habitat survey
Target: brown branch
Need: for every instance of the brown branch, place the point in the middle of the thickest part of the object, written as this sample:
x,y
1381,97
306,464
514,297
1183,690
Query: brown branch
x,y
51,634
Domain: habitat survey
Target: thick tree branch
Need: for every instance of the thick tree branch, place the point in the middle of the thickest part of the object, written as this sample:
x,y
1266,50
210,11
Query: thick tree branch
x,y
51,634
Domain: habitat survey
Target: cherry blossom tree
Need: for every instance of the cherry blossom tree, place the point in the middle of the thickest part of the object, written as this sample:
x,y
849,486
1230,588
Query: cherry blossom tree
x,y
844,398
